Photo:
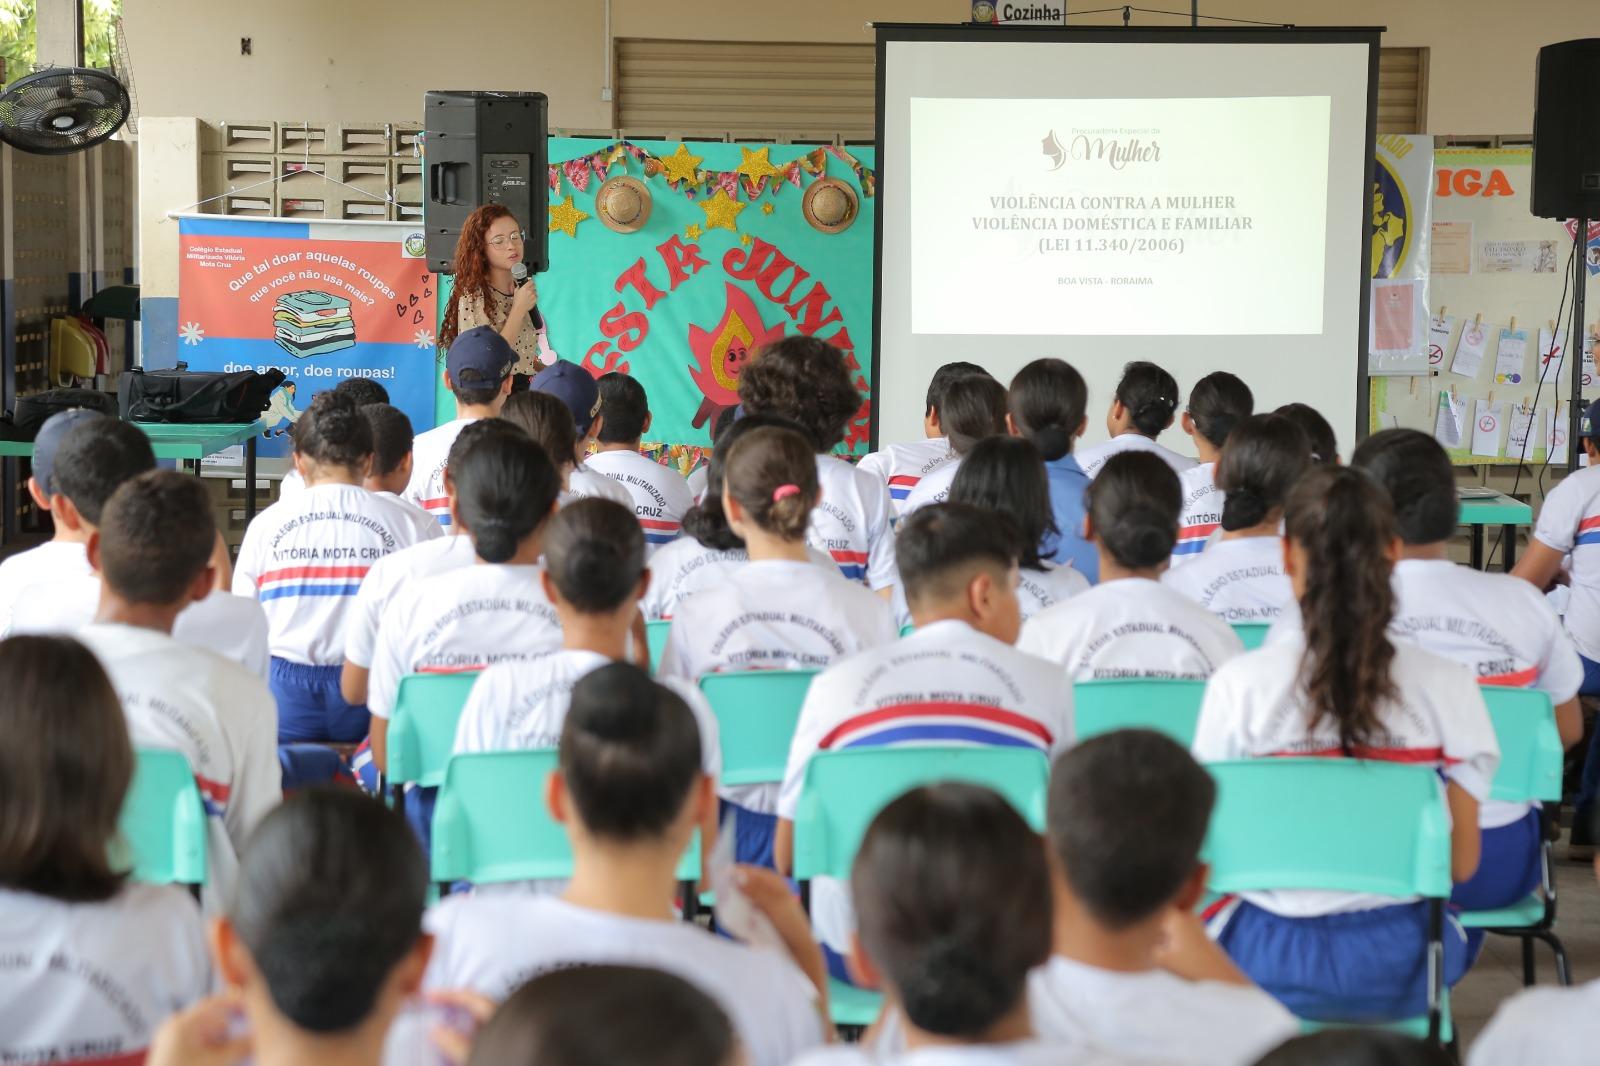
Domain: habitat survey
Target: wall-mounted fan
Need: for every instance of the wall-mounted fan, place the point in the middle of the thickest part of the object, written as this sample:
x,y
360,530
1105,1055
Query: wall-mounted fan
x,y
61,110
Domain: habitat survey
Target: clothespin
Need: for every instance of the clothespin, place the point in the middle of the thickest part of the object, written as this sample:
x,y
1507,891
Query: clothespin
x,y
1477,319
1442,310
1413,388
1513,324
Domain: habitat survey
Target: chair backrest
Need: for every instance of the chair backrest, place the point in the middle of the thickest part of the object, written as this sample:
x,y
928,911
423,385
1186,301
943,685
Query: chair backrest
x,y
1252,634
655,637
1344,825
844,790
422,727
756,712
491,824
1171,707
1531,756
163,823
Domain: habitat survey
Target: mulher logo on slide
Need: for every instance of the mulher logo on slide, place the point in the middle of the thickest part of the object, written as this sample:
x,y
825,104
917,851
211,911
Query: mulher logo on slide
x,y
1094,147
1053,149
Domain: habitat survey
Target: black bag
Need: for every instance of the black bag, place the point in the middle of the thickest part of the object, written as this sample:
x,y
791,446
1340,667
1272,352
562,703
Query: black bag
x,y
186,396
32,411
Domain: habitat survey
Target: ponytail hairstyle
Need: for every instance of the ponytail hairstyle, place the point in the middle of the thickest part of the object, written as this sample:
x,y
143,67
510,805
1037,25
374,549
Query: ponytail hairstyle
x,y
1134,504
1151,396
1264,458
547,420
1004,475
505,488
772,472
332,432
705,521
1343,524
594,552
925,881
1216,404
1414,470
973,408
1047,400
1324,446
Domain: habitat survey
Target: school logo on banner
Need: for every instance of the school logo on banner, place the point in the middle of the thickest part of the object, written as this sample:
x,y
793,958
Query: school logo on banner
x,y
1391,214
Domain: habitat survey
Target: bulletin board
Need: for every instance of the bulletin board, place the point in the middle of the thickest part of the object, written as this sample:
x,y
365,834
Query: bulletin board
x,y
1495,279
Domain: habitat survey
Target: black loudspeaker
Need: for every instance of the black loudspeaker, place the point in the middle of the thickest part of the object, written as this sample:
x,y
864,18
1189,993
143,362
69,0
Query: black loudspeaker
x,y
1566,131
485,148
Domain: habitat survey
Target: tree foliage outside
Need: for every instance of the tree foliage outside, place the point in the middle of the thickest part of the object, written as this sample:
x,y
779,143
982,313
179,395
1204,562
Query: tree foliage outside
x,y
19,36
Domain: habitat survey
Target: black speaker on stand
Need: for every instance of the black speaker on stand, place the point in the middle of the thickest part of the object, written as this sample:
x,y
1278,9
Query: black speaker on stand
x,y
484,148
1566,174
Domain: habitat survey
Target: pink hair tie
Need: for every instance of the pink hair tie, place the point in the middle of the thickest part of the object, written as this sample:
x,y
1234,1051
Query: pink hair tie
x,y
783,492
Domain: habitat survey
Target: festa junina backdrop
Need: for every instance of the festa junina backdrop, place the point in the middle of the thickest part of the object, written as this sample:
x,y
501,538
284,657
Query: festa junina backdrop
x,y
725,262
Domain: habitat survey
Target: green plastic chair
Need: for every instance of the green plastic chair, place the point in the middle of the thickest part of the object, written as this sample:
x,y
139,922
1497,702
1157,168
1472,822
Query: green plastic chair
x,y
1344,825
490,824
655,636
1531,760
907,629
843,791
1253,634
1169,707
422,728
163,823
756,712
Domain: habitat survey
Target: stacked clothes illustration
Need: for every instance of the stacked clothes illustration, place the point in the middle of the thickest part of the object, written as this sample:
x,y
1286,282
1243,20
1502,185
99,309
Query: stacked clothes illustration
x,y
313,323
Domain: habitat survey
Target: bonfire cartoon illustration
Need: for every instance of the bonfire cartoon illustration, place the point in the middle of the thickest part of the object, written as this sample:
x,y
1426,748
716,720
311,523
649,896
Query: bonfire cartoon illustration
x,y
722,352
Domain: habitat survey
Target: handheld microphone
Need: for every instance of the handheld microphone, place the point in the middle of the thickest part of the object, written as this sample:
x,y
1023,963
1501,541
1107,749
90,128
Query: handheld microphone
x,y
519,274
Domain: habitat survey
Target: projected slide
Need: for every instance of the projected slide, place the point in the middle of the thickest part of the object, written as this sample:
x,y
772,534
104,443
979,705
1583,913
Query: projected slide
x,y
1164,216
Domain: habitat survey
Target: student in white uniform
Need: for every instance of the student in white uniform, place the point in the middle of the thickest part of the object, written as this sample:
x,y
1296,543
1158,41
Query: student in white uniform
x,y
1324,446
578,391
93,961
631,791
363,391
1141,410
1006,476
1046,403
1131,625
477,371
1240,577
807,381
659,495
304,559
153,551
1341,687
542,416
392,463
956,679
902,466
974,410
495,610
1216,404
1499,627
953,893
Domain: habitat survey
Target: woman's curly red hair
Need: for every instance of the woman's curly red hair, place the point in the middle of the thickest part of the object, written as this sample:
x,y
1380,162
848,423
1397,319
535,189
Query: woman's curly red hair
x,y
471,267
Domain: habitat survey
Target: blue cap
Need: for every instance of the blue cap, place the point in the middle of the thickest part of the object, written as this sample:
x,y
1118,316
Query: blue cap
x,y
1588,427
573,386
49,439
482,351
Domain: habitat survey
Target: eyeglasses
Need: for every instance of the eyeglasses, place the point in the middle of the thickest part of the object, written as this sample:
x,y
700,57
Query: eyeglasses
x,y
501,241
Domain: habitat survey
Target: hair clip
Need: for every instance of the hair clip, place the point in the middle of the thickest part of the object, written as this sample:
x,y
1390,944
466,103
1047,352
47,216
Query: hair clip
x,y
783,492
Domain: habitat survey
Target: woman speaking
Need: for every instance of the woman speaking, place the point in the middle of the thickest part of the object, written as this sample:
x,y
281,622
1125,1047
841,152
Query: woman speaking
x,y
486,293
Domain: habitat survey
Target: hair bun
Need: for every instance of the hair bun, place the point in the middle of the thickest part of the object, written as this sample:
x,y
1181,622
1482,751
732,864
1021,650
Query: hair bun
x,y
955,991
1242,508
1053,441
1141,537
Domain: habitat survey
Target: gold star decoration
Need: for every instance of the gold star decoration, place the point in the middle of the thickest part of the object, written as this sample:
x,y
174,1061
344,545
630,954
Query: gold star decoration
x,y
744,239
681,166
766,209
721,211
565,217
692,231
756,165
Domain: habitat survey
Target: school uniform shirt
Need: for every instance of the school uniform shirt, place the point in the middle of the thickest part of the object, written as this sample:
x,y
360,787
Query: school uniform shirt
x,y
1019,1053
686,566
217,713
1253,709
851,522
903,466
304,559
493,944
1131,627
1067,545
934,487
430,452
1202,511
1039,590
290,484
1094,456
460,620
1496,625
387,576
89,983
946,683
1569,522
658,495
1239,580
697,481
426,525
28,577
517,706
583,483
1543,1026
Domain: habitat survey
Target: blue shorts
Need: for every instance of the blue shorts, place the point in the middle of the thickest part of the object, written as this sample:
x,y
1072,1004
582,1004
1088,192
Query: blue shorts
x,y
305,765
310,706
1508,870
1359,966
753,834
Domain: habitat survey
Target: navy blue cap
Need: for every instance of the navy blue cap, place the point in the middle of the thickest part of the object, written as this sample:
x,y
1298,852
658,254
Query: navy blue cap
x,y
1588,427
49,439
573,386
484,352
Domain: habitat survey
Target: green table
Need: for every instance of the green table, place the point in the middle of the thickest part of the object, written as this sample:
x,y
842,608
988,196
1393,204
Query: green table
x,y
1496,510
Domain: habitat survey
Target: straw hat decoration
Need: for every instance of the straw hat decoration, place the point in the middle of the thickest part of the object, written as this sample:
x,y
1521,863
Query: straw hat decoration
x,y
623,204
831,205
